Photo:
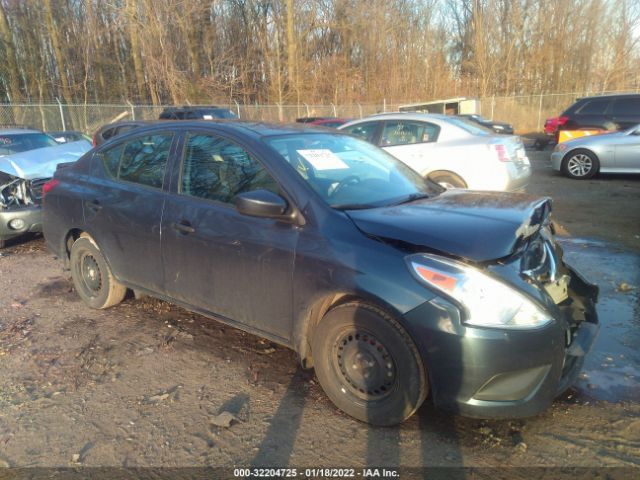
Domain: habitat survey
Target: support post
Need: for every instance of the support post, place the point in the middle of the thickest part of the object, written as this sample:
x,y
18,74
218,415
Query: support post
x,y
64,125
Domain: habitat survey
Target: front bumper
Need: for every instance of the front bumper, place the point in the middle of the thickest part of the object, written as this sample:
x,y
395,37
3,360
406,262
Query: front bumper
x,y
556,160
32,217
493,373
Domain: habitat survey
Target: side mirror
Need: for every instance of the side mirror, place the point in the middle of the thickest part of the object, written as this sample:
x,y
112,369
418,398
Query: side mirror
x,y
261,203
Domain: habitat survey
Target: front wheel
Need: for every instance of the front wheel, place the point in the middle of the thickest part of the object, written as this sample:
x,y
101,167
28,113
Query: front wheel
x,y
368,365
580,164
92,277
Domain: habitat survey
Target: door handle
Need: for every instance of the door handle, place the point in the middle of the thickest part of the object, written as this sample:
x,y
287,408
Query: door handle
x,y
183,227
94,206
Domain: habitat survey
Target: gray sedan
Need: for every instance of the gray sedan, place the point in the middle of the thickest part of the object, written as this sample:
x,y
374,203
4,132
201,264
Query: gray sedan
x,y
617,152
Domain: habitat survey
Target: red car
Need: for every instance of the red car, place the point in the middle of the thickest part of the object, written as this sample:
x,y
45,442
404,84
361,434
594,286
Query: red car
x,y
331,122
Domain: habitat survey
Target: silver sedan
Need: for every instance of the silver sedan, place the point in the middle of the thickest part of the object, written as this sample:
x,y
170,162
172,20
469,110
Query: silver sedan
x,y
453,152
617,152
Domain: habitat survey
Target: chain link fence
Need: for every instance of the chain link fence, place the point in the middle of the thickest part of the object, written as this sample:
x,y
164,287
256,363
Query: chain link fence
x,y
526,113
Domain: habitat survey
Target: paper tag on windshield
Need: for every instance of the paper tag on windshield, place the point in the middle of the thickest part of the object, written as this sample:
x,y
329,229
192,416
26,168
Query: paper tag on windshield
x,y
323,159
207,117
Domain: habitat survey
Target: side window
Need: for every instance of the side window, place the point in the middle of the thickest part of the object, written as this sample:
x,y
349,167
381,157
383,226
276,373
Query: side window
x,y
216,169
594,107
144,159
125,129
111,159
403,132
627,106
108,133
365,131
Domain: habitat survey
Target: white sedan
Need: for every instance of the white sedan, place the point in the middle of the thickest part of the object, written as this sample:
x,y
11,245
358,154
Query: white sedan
x,y
448,150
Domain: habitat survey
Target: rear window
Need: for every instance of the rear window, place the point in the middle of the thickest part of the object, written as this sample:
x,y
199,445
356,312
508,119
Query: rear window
x,y
627,106
469,126
594,107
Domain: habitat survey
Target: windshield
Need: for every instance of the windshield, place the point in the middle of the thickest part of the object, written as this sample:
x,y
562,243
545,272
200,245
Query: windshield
x,y
349,173
22,142
469,126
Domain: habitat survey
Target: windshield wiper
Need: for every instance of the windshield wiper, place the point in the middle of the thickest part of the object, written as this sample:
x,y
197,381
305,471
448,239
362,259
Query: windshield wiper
x,y
411,198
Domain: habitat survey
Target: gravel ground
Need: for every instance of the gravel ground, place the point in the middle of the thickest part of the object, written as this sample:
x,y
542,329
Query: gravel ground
x,y
144,384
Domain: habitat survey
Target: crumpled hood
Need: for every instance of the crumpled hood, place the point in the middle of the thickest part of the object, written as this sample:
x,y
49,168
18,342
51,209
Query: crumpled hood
x,y
42,162
479,226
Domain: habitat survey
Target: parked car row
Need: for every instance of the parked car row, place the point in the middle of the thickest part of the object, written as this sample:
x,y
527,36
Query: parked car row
x,y
615,150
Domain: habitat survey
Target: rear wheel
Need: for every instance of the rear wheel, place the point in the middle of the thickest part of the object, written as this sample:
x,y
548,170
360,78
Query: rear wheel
x,y
580,164
92,277
368,365
447,180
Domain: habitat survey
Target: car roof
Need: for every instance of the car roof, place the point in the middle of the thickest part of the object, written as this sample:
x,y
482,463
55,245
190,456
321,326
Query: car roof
x,y
434,117
611,95
251,129
15,131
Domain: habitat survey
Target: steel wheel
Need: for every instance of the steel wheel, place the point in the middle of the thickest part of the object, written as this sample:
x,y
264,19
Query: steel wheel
x,y
368,365
580,164
92,277
365,365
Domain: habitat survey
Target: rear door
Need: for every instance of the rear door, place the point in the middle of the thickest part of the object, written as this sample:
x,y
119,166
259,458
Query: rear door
x,y
124,203
215,258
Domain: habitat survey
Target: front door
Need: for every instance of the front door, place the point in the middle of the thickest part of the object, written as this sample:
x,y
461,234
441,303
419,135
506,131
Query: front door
x,y
217,259
627,152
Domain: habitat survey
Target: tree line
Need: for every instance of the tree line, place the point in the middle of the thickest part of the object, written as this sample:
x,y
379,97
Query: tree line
x,y
312,51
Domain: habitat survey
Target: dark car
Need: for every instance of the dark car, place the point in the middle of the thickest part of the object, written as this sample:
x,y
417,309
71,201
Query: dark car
x,y
329,122
69,136
393,288
114,129
197,113
605,112
497,127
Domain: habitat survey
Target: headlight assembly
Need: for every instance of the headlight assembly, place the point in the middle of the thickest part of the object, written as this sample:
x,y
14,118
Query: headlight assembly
x,y
487,302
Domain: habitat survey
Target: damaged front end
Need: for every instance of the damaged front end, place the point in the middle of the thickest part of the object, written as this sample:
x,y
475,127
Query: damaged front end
x,y
20,206
16,192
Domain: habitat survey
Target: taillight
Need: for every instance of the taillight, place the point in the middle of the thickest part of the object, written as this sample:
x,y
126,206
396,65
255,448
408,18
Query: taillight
x,y
501,152
562,120
50,185
95,140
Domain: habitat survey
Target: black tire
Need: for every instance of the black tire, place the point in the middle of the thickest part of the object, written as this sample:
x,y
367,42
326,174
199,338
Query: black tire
x,y
580,164
92,277
368,365
2,243
447,180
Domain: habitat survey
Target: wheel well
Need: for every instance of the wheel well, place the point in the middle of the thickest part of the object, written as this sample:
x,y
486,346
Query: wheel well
x,y
307,326
71,237
447,172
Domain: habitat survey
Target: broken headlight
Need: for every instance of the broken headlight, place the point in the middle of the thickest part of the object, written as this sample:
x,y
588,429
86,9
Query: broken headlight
x,y
487,302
